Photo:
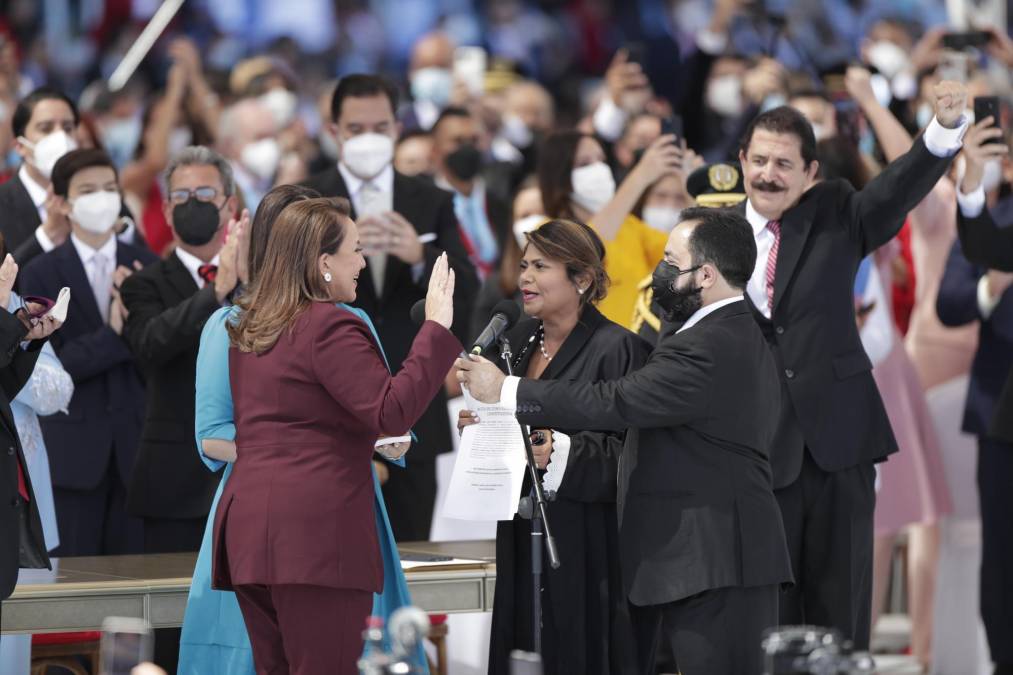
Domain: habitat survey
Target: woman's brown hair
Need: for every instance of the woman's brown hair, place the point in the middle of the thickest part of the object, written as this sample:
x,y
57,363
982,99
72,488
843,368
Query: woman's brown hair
x,y
555,164
579,248
289,279
271,206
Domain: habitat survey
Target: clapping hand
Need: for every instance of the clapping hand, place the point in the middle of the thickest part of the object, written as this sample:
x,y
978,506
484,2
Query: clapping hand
x,y
227,275
950,100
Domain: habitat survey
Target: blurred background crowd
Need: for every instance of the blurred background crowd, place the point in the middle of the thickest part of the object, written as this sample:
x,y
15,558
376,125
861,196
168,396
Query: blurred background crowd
x,y
503,104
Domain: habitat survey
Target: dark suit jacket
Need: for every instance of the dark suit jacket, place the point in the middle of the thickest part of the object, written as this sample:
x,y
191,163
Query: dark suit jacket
x,y
832,405
18,221
987,244
430,210
298,508
16,366
696,502
107,409
167,314
990,391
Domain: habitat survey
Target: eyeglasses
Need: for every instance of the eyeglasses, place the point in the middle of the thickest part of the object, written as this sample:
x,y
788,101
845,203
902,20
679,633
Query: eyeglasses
x,y
204,193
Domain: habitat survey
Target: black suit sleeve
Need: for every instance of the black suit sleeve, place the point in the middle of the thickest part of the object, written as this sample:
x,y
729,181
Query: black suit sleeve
x,y
957,300
16,364
155,334
984,242
875,214
671,390
29,248
593,464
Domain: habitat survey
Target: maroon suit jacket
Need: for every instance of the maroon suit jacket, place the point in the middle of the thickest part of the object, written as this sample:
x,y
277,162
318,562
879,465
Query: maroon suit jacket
x,y
298,508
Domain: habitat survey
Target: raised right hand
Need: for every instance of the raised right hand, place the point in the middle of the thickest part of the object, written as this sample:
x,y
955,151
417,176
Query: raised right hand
x,y
8,273
663,156
440,296
977,151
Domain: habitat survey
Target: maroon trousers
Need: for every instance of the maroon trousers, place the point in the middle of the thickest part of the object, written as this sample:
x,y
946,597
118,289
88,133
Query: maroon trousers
x,y
304,630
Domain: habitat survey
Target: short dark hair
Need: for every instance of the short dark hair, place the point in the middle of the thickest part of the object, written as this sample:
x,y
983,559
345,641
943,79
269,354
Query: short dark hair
x,y
74,161
577,247
723,238
454,111
361,86
784,120
26,106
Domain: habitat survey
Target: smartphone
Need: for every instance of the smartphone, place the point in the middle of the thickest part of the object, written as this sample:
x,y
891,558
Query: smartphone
x,y
965,40
987,106
125,643
636,52
672,125
469,68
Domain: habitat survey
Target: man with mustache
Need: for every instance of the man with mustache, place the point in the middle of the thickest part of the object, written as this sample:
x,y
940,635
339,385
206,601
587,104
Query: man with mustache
x,y
832,426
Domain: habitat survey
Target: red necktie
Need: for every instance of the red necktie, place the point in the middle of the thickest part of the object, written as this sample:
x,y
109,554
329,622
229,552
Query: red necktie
x,y
207,273
775,227
22,486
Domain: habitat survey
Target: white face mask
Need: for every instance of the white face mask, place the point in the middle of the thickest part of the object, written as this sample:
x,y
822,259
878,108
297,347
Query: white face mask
x,y
924,114
282,103
432,84
516,131
663,218
525,225
261,158
593,186
179,138
49,149
820,131
724,95
888,58
366,155
96,212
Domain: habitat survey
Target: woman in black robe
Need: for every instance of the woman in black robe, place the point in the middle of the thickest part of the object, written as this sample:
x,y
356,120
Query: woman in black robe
x,y
585,621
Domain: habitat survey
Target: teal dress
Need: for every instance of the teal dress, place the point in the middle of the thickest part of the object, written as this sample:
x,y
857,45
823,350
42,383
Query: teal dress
x,y
214,636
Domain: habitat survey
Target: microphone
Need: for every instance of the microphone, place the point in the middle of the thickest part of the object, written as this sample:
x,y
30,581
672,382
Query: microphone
x,y
418,312
504,316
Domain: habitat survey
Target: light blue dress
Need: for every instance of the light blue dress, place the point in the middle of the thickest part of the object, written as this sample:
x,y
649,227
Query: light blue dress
x,y
214,636
47,391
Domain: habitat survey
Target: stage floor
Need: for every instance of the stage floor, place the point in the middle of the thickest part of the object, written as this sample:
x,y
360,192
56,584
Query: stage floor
x,y
78,593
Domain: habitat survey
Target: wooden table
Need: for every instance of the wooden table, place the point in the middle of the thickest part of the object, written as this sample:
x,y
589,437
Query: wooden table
x,y
80,592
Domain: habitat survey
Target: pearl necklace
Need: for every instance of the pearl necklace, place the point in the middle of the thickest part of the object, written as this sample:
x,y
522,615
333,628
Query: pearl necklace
x,y
541,343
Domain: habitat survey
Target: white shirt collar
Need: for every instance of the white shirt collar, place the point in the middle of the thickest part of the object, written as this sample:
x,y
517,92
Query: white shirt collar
x,y
699,314
193,263
383,180
86,252
757,221
35,191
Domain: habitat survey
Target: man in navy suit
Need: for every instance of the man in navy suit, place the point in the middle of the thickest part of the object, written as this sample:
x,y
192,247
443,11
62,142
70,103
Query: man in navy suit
x,y
92,446
971,293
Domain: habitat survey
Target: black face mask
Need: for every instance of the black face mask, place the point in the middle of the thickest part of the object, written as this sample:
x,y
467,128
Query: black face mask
x,y
195,221
465,162
678,304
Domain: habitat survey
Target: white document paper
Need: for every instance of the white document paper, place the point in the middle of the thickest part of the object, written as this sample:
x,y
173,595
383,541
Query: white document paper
x,y
489,471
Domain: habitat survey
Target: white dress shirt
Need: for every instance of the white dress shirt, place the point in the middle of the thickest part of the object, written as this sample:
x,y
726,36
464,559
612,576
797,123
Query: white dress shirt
x,y
193,264
939,140
699,314
38,195
383,181
99,265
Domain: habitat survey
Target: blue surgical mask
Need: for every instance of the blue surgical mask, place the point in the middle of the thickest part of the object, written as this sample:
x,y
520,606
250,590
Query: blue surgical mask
x,y
120,138
432,85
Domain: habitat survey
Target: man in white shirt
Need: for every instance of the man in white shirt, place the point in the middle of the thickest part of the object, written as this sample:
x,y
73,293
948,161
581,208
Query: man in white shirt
x,y
93,444
701,540
44,124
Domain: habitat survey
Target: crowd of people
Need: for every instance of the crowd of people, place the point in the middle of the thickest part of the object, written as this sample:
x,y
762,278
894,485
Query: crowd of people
x,y
766,282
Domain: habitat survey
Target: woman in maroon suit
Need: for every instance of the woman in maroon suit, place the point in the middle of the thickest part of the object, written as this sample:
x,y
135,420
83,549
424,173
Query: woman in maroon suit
x,y
295,533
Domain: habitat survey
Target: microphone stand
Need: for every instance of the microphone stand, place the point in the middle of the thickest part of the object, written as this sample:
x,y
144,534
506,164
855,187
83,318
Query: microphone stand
x,y
539,518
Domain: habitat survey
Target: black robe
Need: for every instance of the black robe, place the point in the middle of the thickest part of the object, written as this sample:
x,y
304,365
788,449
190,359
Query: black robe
x,y
585,620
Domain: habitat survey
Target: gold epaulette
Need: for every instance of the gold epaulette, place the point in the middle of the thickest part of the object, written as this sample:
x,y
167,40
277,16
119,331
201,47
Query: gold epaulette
x,y
642,308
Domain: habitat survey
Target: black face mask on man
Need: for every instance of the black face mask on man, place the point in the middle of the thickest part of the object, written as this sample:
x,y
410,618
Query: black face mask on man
x,y
195,221
465,162
678,304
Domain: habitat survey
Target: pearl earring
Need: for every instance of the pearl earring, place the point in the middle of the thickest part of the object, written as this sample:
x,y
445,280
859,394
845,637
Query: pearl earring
x,y
327,277
581,291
